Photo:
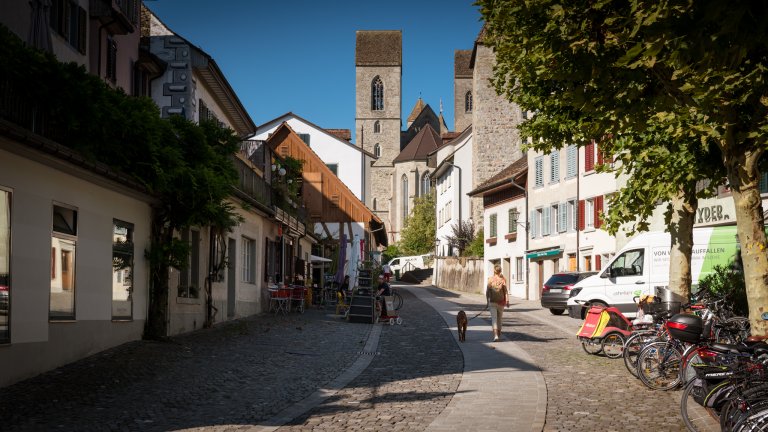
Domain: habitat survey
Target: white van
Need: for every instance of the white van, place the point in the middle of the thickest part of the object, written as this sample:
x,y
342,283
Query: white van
x,y
643,264
403,264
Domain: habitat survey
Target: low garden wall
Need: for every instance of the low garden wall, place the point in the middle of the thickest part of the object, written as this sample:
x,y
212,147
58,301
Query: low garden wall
x,y
459,274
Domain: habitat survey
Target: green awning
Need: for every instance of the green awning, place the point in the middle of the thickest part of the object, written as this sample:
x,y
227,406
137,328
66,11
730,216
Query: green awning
x,y
546,253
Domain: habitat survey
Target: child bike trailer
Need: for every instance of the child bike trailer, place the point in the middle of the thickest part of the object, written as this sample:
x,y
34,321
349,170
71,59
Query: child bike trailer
x,y
604,330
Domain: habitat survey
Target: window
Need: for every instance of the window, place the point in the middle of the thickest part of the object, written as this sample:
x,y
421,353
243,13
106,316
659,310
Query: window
x,y
573,217
377,150
377,127
539,173
111,66
562,218
248,252
404,195
305,137
536,227
555,215
122,270
70,21
519,268
513,216
546,222
554,167
492,224
524,114
425,183
334,168
468,102
5,265
63,247
589,156
587,263
377,94
374,204
589,214
189,280
630,263
764,183
571,155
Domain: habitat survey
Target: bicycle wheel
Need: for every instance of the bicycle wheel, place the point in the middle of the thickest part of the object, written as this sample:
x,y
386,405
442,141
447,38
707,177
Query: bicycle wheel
x,y
696,417
591,346
658,366
613,345
397,300
632,347
738,407
755,420
733,331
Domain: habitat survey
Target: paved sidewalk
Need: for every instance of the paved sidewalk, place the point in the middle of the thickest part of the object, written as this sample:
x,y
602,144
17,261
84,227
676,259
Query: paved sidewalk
x,y
501,388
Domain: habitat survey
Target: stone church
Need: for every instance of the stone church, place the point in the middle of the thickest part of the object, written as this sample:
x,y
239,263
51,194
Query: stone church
x,y
401,171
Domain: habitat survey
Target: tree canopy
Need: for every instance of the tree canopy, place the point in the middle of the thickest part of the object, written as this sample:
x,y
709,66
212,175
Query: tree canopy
x,y
670,87
418,234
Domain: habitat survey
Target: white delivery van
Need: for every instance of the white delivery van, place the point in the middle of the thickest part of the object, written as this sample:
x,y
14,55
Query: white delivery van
x,y
403,264
643,264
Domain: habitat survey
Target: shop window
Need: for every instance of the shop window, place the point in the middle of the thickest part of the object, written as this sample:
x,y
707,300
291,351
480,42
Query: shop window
x,y
122,270
63,253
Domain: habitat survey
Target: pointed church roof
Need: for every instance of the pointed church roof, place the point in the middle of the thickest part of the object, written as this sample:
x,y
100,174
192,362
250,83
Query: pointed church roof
x,y
416,110
443,126
426,141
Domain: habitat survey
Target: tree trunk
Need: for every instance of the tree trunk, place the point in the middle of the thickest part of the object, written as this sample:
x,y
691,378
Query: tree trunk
x,y
156,325
684,206
743,176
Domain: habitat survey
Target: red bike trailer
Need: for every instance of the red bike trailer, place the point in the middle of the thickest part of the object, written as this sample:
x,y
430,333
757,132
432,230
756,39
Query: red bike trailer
x,y
604,330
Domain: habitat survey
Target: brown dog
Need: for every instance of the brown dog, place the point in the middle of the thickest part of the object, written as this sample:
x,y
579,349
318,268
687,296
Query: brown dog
x,y
461,323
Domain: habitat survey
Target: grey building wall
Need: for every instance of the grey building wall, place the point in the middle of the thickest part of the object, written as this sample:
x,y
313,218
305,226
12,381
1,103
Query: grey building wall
x,y
496,142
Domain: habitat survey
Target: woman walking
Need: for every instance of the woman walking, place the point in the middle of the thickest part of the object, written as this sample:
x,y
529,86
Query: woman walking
x,y
496,293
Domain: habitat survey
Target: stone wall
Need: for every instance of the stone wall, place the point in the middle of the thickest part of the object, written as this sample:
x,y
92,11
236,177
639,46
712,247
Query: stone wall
x,y
389,136
461,118
413,170
496,142
459,274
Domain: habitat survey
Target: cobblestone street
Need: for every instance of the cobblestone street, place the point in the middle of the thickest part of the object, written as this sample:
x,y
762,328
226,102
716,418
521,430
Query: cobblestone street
x,y
261,374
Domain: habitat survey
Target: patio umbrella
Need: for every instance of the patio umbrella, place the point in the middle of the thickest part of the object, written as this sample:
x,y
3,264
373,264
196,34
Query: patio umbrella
x,y
39,29
342,259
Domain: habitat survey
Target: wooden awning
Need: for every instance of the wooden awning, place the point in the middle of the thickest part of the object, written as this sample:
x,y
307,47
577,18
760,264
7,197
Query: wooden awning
x,y
326,198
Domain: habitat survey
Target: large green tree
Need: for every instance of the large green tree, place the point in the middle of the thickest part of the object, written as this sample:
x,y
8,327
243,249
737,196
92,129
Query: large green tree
x,y
690,73
418,234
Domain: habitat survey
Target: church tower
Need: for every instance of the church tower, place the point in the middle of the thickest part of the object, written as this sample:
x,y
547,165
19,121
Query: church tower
x,y
462,90
378,104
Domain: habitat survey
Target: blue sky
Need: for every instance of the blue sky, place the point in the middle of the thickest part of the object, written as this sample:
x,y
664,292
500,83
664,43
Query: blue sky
x,y
299,55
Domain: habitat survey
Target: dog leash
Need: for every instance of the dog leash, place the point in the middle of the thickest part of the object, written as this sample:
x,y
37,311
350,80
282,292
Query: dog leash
x,y
487,305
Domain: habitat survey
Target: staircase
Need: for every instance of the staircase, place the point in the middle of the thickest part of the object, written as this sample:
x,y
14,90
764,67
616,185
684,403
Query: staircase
x,y
417,276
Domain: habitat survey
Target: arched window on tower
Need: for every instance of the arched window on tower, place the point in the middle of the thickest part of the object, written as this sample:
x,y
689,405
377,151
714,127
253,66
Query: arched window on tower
x,y
377,127
377,150
425,184
377,94
404,196
468,102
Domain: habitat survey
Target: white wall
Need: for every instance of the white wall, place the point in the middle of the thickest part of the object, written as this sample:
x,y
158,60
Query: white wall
x,y
506,251
453,191
38,345
330,149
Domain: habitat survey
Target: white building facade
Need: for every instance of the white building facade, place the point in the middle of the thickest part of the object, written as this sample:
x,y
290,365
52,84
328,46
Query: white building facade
x,y
453,181
566,198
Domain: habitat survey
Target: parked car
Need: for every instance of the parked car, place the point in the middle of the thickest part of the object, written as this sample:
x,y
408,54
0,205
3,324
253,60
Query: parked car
x,y
557,289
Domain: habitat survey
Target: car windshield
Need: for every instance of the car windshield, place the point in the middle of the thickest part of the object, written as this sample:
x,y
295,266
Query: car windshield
x,y
562,279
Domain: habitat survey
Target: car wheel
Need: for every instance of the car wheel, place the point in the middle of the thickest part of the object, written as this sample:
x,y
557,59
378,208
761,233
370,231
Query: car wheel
x,y
556,311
